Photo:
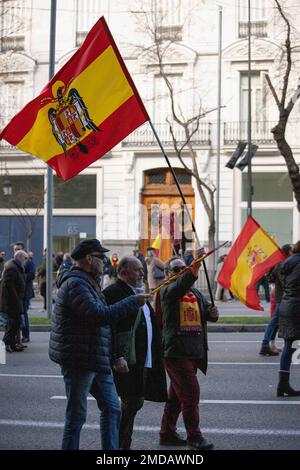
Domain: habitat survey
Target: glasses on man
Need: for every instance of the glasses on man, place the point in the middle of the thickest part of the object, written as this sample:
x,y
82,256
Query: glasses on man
x,y
177,269
99,256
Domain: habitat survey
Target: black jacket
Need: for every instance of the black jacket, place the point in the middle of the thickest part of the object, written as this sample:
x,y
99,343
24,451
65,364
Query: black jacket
x,y
289,319
29,277
81,323
12,288
133,384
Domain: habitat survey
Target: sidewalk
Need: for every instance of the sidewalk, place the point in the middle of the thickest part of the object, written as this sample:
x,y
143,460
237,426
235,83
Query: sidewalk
x,y
226,309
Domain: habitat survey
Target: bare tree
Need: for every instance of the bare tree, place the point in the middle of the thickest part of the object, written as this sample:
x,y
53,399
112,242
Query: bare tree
x,y
26,203
285,107
185,149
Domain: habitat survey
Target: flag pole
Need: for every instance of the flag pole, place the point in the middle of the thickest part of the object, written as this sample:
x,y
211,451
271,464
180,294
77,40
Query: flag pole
x,y
185,206
49,207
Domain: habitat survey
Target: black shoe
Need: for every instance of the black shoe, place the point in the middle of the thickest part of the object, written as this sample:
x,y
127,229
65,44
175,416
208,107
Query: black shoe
x,y
266,351
200,444
172,440
8,348
25,340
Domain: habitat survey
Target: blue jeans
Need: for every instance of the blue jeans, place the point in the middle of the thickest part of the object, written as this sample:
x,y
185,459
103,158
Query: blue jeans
x,y
271,326
286,355
79,383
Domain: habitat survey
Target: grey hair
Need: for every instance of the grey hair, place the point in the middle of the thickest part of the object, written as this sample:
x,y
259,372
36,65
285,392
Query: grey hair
x,y
167,263
18,254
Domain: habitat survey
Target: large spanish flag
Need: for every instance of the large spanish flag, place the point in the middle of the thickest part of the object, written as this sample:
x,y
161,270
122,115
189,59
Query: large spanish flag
x,y
87,108
253,254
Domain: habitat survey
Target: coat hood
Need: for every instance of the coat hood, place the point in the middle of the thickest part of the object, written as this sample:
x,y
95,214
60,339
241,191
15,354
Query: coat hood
x,y
73,272
289,264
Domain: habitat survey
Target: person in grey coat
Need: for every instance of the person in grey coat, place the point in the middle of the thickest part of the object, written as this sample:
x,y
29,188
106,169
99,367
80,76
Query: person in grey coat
x,y
289,320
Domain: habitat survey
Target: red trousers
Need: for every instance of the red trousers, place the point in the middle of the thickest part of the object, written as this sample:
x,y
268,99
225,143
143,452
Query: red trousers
x,y
183,396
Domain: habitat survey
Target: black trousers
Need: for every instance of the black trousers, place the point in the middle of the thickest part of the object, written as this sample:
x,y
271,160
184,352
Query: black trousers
x,y
129,408
11,330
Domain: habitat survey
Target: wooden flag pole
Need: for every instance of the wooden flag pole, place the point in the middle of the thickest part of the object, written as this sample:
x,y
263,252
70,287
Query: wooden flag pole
x,y
173,278
185,207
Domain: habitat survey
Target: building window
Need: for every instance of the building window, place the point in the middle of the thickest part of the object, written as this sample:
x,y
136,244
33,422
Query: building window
x,y
87,13
77,193
258,97
169,19
156,178
12,24
268,187
12,100
277,222
27,192
258,18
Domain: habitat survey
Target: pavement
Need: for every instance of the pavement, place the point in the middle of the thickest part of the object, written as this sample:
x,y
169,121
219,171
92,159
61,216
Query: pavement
x,y
239,409
226,309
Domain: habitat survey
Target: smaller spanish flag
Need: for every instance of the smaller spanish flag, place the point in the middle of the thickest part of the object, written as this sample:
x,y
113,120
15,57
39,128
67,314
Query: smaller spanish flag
x,y
157,244
253,254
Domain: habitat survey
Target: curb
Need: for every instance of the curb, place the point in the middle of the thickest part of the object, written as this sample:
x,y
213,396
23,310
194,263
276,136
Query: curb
x,y
221,328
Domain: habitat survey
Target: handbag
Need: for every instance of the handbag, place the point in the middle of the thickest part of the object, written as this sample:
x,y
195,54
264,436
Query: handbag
x,y
126,341
158,272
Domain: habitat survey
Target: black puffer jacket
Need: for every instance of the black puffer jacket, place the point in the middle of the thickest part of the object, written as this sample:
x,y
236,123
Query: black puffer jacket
x,y
289,319
80,332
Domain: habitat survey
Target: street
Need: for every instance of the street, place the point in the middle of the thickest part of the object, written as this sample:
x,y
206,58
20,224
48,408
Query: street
x,y
239,407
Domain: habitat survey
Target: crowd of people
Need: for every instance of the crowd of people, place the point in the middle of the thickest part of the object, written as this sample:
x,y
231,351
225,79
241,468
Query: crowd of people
x,y
112,339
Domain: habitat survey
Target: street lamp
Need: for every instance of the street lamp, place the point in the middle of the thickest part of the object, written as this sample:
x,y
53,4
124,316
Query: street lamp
x,y
7,188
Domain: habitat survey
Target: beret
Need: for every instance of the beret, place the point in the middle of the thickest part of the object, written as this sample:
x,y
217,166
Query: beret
x,y
85,247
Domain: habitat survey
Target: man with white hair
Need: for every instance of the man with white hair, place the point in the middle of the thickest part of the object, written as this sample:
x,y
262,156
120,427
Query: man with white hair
x,y
12,290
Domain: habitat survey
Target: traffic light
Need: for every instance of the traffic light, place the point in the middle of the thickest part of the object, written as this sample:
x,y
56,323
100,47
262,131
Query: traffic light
x,y
244,162
236,155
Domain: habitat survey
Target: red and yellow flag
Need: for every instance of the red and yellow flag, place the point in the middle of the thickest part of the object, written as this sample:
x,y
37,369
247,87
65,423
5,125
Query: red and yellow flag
x,y
253,254
157,244
87,108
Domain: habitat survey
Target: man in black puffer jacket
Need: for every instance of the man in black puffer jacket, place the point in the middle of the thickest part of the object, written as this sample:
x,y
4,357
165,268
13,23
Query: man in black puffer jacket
x,y
80,342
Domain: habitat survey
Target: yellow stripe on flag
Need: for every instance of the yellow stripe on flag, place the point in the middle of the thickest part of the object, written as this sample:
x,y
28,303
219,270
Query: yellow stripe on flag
x,y
242,275
103,88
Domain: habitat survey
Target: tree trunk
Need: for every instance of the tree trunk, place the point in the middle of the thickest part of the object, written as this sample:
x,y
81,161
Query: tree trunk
x,y
286,151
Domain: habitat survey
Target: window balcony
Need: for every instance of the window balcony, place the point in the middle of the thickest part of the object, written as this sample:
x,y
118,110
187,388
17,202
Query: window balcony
x,y
238,130
144,137
80,37
12,43
169,32
258,29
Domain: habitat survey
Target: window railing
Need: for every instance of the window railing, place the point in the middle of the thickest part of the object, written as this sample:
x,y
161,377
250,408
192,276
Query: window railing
x,y
169,33
12,43
258,29
238,130
144,136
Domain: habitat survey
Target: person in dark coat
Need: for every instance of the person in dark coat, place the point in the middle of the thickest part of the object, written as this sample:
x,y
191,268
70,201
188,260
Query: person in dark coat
x,y
29,294
141,374
12,290
2,262
184,335
289,320
80,341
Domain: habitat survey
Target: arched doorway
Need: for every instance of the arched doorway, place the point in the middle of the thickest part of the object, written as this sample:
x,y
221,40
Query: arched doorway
x,y
163,211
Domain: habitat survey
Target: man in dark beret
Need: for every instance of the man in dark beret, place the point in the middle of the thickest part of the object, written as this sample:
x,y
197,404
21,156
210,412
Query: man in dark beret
x,y
80,342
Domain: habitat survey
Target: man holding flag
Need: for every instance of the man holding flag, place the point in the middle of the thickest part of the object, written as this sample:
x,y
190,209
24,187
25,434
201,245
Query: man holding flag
x,y
184,313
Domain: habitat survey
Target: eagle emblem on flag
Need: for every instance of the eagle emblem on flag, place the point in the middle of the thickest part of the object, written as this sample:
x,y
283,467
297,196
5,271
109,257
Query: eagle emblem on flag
x,y
70,120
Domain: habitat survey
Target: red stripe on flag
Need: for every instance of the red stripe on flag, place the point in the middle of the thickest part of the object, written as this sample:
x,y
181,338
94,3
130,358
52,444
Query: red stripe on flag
x,y
238,247
124,120
252,299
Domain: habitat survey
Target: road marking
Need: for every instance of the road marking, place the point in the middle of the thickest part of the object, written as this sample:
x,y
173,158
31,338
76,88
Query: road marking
x,y
223,402
156,429
243,363
34,376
